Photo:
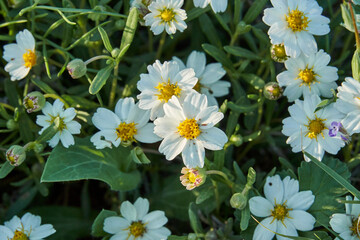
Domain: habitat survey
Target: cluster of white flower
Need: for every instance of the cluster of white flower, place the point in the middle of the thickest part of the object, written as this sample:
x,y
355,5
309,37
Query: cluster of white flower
x,y
292,26
167,15
182,118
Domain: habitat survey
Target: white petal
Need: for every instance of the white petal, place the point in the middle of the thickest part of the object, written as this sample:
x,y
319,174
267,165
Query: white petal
x,y
274,190
146,134
128,211
291,186
288,229
155,219
193,154
213,138
42,232
260,207
142,207
105,119
66,138
197,61
301,200
30,221
115,224
5,233
302,220
261,233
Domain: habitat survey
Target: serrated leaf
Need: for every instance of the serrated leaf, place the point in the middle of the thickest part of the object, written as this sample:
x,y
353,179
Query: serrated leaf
x,y
130,28
100,79
82,161
97,228
105,39
242,52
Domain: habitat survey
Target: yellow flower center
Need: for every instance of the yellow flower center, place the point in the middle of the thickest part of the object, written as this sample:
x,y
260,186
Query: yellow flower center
x,y
279,212
19,235
29,58
62,124
126,131
355,227
189,129
307,75
315,128
192,177
167,15
167,90
137,229
297,20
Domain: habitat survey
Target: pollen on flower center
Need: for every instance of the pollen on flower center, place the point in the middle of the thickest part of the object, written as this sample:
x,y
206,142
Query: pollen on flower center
x,y
189,129
167,15
137,229
355,227
19,235
167,90
62,124
29,58
308,76
126,131
280,211
315,128
297,20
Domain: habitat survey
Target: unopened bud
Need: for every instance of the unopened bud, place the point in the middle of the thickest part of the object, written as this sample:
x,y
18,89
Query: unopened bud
x,y
251,177
238,201
193,177
15,155
237,140
34,102
278,53
77,68
115,52
11,124
273,91
39,148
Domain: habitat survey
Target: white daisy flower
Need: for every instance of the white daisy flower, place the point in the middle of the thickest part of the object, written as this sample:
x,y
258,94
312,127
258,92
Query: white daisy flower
x,y
20,56
129,123
67,126
136,223
209,76
294,22
216,5
347,224
189,129
166,14
284,209
308,75
27,228
348,102
309,130
161,83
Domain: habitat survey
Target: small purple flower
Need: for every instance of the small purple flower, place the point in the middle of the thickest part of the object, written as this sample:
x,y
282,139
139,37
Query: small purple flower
x,y
336,127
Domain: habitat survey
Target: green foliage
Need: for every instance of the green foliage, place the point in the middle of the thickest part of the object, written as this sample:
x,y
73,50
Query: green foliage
x,y
83,161
97,228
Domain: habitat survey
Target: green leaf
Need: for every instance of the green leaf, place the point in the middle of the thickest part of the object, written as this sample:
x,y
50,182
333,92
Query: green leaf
x,y
97,228
79,102
219,55
69,222
139,156
194,219
242,108
83,161
245,218
43,86
48,133
5,169
25,127
355,65
324,103
173,237
209,30
252,136
130,28
105,39
100,79
323,179
254,11
195,13
205,194
242,52
257,82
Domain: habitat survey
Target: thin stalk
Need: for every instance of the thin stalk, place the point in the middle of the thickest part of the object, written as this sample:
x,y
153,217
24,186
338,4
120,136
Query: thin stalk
x,y
161,45
113,86
355,27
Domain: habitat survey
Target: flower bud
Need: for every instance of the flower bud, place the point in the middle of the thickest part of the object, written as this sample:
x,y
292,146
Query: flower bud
x,y
272,91
15,155
11,124
115,52
39,148
193,177
77,68
34,102
238,201
278,53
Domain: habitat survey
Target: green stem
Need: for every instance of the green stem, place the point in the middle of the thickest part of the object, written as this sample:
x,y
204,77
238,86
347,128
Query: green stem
x,y
5,105
54,96
161,45
113,86
97,58
220,173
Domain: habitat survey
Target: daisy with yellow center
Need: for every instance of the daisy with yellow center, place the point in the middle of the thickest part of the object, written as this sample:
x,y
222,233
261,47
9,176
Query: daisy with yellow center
x,y
64,118
162,83
28,227
137,223
127,124
284,208
166,15
347,224
309,130
21,56
308,75
188,128
293,23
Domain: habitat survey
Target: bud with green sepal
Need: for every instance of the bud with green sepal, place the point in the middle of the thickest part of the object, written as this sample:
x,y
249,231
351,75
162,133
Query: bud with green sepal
x,y
193,177
34,102
238,201
77,68
16,155
278,53
11,124
272,91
